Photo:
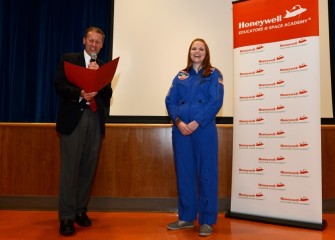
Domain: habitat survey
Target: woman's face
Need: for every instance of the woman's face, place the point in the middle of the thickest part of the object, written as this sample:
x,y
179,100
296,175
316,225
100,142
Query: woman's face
x,y
197,52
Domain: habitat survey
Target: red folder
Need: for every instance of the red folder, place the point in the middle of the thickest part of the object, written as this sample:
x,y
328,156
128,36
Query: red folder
x,y
88,79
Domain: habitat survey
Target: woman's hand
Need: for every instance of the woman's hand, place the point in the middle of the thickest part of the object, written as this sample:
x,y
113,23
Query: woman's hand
x,y
187,129
183,128
193,126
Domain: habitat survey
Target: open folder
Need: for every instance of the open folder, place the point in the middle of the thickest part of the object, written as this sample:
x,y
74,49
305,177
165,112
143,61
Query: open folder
x,y
88,79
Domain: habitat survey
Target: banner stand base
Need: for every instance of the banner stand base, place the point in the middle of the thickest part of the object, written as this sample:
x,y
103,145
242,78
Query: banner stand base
x,y
277,221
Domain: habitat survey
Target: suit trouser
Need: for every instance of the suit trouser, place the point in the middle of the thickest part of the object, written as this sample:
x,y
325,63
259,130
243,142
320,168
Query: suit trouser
x,y
79,157
196,162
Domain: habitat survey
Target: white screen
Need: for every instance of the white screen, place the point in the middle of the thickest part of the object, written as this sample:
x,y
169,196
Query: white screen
x,y
152,38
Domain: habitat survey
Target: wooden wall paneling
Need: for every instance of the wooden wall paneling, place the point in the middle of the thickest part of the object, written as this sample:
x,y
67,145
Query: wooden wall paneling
x,y
139,162
158,166
328,162
29,160
225,160
121,160
136,161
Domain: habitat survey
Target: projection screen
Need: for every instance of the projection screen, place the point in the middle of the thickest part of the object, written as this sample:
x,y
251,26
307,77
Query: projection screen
x,y
152,37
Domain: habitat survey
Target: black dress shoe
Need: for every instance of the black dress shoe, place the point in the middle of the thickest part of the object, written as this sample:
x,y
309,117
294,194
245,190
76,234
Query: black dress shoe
x,y
66,227
83,220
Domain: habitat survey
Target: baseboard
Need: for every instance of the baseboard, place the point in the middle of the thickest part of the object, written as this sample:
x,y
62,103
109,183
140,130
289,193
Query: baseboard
x,y
98,203
116,204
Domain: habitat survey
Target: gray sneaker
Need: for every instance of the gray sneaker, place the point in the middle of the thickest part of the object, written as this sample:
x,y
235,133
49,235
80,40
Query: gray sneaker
x,y
205,230
180,225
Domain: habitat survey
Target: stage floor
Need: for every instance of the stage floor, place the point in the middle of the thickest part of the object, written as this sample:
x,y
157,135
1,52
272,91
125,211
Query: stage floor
x,y
43,225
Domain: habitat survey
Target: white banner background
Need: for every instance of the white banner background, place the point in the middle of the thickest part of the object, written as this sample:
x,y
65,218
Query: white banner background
x,y
277,135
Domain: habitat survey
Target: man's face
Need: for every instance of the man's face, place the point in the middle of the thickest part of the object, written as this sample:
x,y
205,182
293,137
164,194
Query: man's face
x,y
93,42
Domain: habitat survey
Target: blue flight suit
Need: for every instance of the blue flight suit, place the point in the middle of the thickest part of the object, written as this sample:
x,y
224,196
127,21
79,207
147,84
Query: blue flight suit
x,y
193,97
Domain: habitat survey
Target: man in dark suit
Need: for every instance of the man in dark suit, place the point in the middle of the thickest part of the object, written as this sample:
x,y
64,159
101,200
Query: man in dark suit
x,y
81,125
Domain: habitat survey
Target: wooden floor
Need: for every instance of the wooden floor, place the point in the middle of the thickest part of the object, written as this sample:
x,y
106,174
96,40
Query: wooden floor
x,y
41,225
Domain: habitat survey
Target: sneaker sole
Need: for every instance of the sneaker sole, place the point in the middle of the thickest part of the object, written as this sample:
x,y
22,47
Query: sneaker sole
x,y
180,228
205,234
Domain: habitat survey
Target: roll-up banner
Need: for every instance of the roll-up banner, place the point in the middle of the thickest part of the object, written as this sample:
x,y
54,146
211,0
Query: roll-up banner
x,y
276,174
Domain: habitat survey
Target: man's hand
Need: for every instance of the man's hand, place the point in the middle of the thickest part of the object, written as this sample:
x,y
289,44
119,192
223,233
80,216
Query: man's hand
x,y
93,66
87,96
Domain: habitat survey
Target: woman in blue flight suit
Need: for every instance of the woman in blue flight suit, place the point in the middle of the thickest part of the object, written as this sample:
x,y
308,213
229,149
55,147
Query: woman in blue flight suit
x,y
193,101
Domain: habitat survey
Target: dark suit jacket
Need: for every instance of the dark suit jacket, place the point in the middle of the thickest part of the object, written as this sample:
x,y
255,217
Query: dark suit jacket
x,y
70,109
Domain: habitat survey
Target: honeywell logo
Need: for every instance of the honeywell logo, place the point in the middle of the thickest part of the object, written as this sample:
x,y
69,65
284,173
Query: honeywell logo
x,y
260,23
295,11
